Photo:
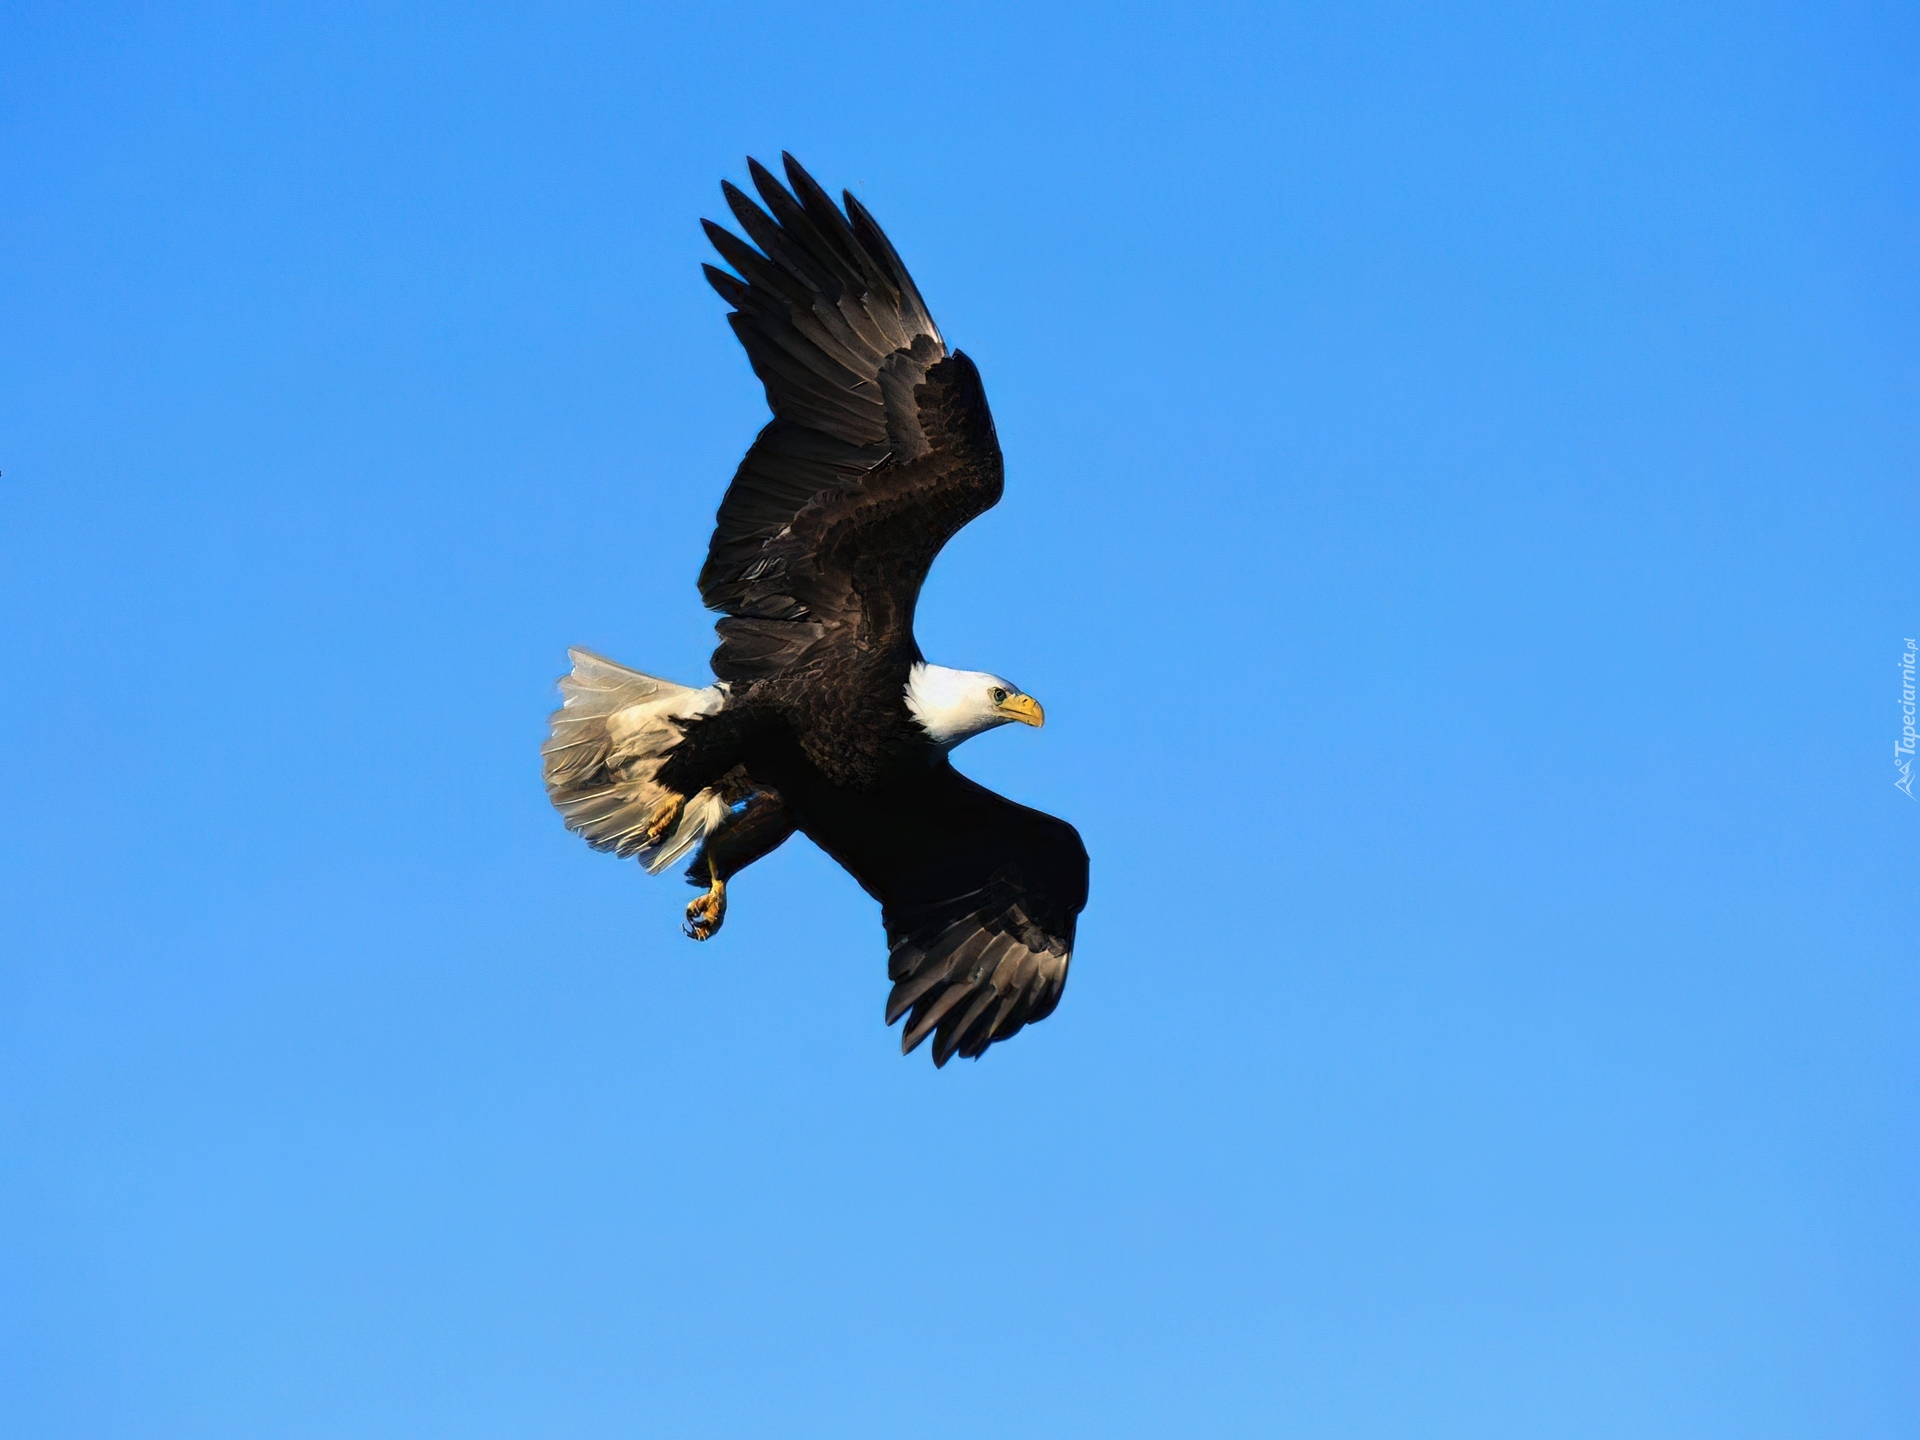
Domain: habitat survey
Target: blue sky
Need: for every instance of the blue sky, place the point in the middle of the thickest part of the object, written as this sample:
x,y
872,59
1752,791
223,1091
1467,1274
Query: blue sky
x,y
1460,520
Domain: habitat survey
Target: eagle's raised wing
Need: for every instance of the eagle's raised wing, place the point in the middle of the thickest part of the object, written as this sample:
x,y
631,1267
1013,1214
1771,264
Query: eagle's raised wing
x,y
880,448
979,896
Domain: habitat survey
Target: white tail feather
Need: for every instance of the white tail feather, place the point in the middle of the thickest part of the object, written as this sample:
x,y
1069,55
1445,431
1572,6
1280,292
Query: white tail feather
x,y
609,737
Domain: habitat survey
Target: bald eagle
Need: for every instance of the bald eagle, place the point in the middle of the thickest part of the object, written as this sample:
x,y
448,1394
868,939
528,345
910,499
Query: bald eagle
x,y
824,716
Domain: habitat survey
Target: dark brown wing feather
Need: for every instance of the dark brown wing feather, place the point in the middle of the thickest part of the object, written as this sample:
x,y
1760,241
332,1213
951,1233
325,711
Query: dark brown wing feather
x,y
880,448
979,896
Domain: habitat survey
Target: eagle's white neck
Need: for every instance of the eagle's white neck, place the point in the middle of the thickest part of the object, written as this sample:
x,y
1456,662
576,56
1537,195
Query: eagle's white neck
x,y
953,705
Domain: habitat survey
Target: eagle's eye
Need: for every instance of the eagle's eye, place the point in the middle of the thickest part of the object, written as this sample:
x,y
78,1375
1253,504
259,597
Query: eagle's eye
x,y
997,695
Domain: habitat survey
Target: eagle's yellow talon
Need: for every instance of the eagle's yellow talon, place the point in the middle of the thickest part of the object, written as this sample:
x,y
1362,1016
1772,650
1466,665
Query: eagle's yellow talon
x,y
706,912
665,819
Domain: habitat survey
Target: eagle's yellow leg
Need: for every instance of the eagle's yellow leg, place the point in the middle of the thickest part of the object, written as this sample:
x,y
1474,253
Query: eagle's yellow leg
x,y
706,912
665,818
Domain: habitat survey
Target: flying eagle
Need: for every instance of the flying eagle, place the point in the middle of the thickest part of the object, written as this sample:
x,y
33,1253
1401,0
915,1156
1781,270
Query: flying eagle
x,y
825,718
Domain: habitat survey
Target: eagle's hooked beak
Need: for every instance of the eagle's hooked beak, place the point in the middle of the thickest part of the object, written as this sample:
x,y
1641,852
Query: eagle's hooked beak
x,y
1023,708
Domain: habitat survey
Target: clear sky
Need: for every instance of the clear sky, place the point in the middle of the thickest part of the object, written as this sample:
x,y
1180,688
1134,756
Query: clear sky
x,y
1461,521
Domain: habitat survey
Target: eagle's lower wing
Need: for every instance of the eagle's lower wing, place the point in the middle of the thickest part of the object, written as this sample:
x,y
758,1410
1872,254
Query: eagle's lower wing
x,y
979,896
881,444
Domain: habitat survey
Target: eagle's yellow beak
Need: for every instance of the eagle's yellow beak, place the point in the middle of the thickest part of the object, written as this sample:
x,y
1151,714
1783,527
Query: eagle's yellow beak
x,y
1023,708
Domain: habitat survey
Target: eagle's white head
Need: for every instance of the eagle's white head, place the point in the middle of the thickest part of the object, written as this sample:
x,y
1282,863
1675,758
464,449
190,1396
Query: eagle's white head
x,y
956,705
